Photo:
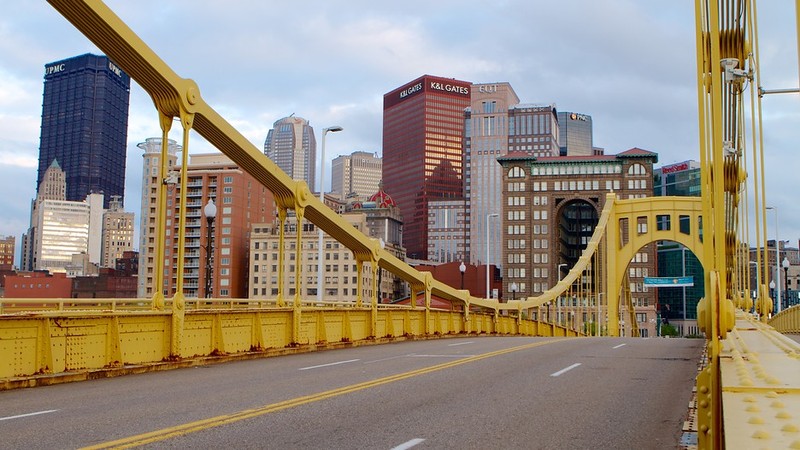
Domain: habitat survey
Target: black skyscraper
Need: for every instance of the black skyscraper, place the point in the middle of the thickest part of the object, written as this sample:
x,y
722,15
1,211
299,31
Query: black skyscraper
x,y
85,125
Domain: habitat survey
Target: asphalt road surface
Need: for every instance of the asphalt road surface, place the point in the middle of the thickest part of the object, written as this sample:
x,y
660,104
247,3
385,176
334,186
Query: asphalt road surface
x,y
465,393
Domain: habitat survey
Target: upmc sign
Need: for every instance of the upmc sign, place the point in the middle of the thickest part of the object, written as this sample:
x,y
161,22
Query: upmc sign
x,y
446,86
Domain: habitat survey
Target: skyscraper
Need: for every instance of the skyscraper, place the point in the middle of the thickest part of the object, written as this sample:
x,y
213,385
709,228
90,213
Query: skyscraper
x,y
53,186
291,145
85,125
356,174
423,126
151,183
575,131
486,138
117,233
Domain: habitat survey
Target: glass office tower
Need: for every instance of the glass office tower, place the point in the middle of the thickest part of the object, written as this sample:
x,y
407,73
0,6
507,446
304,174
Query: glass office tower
x,y
85,125
423,129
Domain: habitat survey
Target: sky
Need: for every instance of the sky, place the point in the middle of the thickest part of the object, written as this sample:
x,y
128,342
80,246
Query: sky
x,y
629,64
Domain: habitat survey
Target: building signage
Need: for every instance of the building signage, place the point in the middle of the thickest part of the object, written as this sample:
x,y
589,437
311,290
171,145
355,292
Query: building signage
x,y
54,69
410,90
487,89
581,117
679,167
114,69
669,281
435,85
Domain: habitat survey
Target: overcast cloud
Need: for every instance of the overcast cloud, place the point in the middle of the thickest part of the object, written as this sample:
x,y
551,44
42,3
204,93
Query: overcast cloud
x,y
628,64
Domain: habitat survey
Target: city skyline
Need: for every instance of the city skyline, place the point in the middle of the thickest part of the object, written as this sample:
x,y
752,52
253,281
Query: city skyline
x,y
631,88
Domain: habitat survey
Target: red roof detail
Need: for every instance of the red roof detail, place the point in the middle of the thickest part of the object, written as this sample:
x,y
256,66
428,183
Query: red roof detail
x,y
636,151
382,199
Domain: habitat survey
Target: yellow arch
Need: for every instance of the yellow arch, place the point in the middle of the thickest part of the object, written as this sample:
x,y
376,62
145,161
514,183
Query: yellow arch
x,y
634,224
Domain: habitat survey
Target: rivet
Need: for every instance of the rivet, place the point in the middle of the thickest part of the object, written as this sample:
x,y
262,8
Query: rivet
x,y
783,415
755,420
760,434
777,404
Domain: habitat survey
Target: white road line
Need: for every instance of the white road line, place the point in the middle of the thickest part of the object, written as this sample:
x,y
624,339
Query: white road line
x,y
567,369
618,346
329,364
460,343
28,415
409,444
386,359
442,356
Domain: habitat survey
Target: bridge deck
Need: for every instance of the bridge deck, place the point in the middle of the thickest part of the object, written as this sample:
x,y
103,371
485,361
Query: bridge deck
x,y
760,387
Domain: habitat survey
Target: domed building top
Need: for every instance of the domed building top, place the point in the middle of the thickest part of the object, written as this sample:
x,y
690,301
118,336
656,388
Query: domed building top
x,y
381,198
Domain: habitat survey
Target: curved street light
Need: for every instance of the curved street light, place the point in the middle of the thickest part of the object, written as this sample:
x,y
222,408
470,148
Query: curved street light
x,y
325,131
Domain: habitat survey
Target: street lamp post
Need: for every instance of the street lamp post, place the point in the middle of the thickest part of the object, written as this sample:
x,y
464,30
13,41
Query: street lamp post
x,y
786,278
210,212
320,285
380,273
488,216
597,320
777,261
772,287
462,268
558,310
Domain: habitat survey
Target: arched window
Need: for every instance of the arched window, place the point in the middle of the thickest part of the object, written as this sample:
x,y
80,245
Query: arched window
x,y
637,169
516,172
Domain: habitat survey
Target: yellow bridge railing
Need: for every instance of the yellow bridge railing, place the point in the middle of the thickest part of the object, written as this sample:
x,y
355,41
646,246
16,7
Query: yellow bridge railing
x,y
85,338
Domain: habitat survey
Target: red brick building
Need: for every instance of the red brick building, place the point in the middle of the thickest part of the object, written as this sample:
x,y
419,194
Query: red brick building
x,y
38,285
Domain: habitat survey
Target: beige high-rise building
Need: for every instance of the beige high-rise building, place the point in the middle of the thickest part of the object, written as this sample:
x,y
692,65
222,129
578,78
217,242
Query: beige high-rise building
x,y
486,137
340,268
356,175
117,232
54,183
151,183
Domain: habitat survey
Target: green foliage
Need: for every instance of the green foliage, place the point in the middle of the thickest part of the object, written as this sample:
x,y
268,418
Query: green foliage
x,y
668,330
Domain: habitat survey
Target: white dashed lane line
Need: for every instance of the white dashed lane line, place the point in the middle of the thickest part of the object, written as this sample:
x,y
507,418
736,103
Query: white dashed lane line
x,y
329,364
565,370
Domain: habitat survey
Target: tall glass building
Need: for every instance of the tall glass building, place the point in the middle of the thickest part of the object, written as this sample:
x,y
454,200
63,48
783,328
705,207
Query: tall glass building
x,y
423,126
85,125
292,146
575,132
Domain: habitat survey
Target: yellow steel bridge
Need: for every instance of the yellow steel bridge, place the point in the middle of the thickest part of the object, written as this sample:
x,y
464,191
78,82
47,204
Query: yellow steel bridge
x,y
748,393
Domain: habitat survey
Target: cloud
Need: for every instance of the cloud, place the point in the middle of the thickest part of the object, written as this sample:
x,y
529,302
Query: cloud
x,y
629,64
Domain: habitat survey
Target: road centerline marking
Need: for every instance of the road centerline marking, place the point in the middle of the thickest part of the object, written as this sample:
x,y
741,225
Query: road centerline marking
x,y
212,422
329,364
20,416
618,346
409,444
564,370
